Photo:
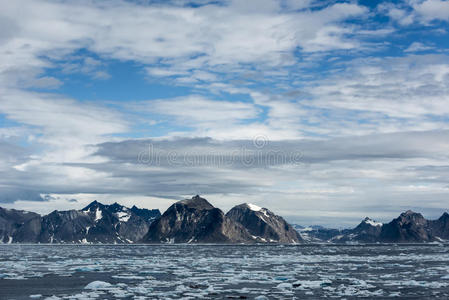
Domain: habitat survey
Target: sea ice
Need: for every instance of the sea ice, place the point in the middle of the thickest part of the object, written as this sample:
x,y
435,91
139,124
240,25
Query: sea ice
x,y
98,285
284,286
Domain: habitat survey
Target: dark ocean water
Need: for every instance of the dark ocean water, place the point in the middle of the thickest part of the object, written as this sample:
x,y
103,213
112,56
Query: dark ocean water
x,y
223,271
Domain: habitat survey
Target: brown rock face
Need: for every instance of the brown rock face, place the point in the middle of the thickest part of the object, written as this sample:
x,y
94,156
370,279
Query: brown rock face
x,y
264,224
409,227
195,221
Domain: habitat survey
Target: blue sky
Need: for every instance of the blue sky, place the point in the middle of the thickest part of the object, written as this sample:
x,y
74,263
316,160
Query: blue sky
x,y
358,89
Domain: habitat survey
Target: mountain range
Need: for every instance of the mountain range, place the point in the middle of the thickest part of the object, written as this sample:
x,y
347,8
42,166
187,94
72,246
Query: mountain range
x,y
96,223
195,220
409,227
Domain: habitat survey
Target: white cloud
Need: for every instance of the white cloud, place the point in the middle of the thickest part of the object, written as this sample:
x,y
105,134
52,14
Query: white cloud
x,y
196,109
211,36
60,132
60,117
417,47
411,12
389,94
430,10
258,52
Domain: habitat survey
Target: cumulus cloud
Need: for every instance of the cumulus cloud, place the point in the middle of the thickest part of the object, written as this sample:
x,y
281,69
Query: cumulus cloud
x,y
430,10
409,12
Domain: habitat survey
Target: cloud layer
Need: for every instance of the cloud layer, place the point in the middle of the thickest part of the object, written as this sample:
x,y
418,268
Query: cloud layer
x,y
314,109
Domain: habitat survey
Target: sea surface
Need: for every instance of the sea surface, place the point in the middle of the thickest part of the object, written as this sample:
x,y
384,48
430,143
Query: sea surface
x,y
223,271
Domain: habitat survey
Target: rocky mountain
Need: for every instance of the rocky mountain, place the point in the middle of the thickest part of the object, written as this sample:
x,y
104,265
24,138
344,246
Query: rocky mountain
x,y
18,225
409,227
263,224
96,223
118,224
196,221
367,231
440,228
316,233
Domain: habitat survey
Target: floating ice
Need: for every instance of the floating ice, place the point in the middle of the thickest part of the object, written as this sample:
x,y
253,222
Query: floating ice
x,y
187,271
98,285
284,286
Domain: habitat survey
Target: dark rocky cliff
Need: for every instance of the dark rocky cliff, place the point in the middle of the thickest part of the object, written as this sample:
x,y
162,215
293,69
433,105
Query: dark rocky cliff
x,y
96,223
264,224
195,221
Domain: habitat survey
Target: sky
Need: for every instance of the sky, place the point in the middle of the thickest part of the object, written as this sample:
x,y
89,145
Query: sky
x,y
322,111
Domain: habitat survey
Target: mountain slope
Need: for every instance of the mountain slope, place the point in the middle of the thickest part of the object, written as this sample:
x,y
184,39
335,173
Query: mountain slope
x,y
19,226
195,221
368,231
264,224
440,228
409,227
96,223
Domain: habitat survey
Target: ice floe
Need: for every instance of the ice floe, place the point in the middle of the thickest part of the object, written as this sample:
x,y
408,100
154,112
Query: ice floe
x,y
98,285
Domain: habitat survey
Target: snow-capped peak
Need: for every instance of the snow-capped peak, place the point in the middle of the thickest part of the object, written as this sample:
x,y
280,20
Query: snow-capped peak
x,y
372,222
254,207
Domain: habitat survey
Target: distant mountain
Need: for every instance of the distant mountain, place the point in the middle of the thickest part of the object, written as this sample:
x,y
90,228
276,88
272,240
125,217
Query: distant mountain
x,y
196,221
367,231
96,223
440,228
316,233
263,224
409,227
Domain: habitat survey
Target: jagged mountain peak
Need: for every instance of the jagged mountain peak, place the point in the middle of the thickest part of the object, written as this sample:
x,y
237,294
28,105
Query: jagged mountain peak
x,y
96,223
371,222
444,216
94,204
411,217
115,207
410,213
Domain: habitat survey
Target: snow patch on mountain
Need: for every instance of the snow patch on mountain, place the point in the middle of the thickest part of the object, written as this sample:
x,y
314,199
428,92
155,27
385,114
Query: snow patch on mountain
x,y
98,214
254,207
123,216
372,222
